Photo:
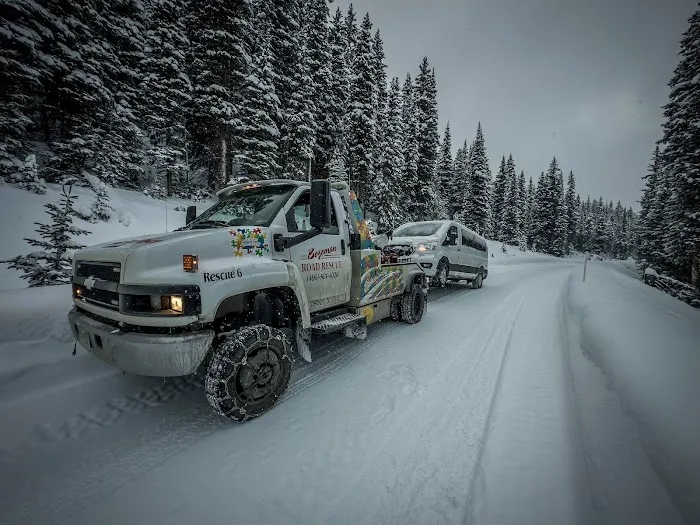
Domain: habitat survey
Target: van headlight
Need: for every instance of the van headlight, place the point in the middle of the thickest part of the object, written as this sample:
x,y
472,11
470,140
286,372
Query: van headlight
x,y
426,247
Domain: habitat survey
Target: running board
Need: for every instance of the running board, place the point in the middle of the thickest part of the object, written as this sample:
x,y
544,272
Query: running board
x,y
336,324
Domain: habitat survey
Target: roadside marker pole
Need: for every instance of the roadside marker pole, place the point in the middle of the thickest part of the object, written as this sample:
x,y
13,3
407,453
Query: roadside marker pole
x,y
585,262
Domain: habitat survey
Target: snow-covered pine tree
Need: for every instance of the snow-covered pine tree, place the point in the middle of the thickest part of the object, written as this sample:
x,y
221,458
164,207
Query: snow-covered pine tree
x,y
27,176
477,206
351,36
362,126
380,110
571,212
510,228
529,217
167,91
340,84
221,34
257,144
498,197
428,141
457,189
122,32
410,150
522,210
391,212
681,134
317,41
25,26
80,99
51,264
445,177
283,26
648,220
540,240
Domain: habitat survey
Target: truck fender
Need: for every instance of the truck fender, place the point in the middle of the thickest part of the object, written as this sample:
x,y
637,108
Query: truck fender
x,y
411,278
296,283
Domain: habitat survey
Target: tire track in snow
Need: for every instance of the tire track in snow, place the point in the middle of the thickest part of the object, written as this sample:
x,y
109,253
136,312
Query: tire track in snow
x,y
405,472
66,492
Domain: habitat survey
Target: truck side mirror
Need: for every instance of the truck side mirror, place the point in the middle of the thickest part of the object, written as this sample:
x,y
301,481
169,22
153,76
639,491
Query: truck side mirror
x,y
191,214
320,204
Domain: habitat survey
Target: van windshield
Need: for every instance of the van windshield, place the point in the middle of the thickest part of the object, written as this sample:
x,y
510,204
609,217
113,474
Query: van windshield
x,y
422,229
251,206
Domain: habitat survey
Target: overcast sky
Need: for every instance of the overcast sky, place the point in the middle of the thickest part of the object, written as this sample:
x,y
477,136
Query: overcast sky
x,y
580,79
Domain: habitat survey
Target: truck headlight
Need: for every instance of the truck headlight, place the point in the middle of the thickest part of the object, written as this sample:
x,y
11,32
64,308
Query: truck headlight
x,y
426,246
176,303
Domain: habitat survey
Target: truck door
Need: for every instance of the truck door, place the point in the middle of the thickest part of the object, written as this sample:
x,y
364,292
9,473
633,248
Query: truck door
x,y
324,260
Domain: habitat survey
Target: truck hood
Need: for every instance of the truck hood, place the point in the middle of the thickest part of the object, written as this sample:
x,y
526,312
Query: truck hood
x,y
158,258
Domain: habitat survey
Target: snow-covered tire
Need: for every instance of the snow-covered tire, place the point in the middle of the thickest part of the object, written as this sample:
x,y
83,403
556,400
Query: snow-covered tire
x,y
413,305
439,280
249,372
478,281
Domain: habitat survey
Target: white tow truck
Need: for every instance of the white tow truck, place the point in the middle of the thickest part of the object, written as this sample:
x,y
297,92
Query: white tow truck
x,y
270,262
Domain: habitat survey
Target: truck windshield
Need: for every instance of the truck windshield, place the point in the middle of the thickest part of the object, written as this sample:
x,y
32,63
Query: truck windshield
x,y
422,229
253,206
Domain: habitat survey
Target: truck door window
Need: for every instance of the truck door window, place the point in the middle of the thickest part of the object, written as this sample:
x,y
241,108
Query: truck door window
x,y
298,216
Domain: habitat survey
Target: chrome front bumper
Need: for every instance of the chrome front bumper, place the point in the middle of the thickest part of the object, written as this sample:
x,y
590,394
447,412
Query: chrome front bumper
x,y
141,354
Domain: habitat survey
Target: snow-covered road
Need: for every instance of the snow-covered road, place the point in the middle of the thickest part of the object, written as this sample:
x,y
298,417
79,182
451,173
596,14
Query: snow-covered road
x,y
485,412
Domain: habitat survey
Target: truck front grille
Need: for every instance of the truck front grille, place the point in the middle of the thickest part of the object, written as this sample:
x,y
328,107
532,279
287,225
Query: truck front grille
x,y
97,297
99,270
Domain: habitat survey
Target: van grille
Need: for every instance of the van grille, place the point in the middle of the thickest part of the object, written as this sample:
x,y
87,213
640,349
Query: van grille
x,y
99,270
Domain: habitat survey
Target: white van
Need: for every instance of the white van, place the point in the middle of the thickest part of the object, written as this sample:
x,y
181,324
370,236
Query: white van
x,y
446,250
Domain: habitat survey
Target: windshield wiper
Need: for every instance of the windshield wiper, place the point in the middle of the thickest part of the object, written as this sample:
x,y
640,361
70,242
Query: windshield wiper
x,y
209,224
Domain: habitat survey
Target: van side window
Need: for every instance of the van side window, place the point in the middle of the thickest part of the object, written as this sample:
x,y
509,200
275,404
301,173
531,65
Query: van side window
x,y
298,216
465,238
451,237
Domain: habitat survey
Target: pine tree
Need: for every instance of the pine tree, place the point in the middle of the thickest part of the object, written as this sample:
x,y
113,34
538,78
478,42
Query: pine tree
x,y
571,212
510,227
317,39
257,143
52,263
650,220
428,141
410,149
340,84
446,172
456,190
362,126
375,201
529,222
220,32
477,207
24,27
167,91
680,138
498,197
391,193
550,215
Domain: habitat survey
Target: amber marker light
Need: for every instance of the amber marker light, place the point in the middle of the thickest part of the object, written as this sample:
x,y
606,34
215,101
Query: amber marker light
x,y
190,263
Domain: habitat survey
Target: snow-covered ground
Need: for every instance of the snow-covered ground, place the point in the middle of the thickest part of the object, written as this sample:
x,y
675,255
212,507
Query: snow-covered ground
x,y
537,399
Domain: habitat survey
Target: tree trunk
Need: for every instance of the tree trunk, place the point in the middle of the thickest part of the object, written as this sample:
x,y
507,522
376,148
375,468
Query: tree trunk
x,y
695,268
222,173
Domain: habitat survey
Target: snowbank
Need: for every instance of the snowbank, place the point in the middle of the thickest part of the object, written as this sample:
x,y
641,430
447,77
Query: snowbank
x,y
513,255
137,214
647,345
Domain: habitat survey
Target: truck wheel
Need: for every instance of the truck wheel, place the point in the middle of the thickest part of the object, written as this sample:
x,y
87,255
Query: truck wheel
x,y
478,281
439,280
413,305
248,372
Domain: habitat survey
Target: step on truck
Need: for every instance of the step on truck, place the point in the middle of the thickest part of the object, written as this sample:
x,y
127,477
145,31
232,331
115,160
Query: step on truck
x,y
230,294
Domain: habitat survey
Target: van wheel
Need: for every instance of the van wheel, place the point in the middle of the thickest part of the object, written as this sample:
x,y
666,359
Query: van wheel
x,y
413,305
248,373
478,281
439,280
